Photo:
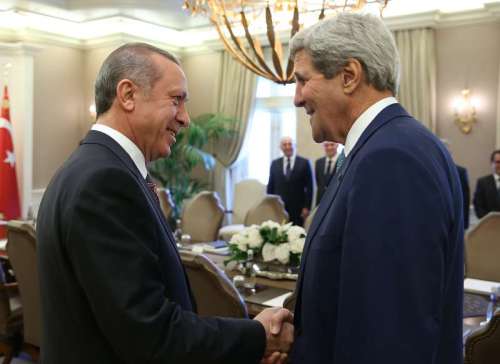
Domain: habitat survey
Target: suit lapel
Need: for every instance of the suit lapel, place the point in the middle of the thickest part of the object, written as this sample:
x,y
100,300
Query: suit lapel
x,y
95,137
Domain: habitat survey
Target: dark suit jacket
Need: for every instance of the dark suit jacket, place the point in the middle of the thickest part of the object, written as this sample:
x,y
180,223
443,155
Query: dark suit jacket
x,y
113,289
322,178
464,182
381,278
296,191
486,196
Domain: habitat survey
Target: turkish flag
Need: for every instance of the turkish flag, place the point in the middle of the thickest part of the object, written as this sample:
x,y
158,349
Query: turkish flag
x,y
9,195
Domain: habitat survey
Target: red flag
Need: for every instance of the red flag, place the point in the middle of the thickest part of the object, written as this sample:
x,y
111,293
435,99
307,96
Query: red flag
x,y
9,195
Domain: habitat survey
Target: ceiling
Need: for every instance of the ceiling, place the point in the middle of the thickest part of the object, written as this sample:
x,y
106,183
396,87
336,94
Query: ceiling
x,y
85,21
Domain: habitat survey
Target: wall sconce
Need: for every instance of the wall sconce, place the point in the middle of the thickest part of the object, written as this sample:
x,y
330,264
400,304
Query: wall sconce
x,y
465,111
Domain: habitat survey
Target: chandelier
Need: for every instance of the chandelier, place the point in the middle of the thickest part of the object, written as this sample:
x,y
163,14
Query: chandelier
x,y
244,24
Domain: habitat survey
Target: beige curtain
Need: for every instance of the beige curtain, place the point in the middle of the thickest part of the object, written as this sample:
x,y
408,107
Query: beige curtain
x,y
417,91
236,96
498,113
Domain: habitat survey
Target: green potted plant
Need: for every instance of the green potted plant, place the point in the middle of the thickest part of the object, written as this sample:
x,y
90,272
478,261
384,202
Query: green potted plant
x,y
190,150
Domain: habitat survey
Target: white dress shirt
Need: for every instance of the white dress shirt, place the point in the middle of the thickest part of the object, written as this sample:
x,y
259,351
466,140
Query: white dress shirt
x,y
128,146
497,180
363,121
285,162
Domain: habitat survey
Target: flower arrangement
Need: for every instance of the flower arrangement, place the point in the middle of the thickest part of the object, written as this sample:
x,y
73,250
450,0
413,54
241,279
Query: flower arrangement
x,y
271,241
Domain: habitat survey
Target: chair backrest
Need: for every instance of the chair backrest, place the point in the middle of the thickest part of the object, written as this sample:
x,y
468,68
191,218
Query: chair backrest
x,y
271,207
482,249
483,345
166,202
202,217
309,219
246,193
214,293
21,248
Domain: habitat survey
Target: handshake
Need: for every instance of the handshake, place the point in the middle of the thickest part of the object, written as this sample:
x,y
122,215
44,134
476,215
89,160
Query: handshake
x,y
278,323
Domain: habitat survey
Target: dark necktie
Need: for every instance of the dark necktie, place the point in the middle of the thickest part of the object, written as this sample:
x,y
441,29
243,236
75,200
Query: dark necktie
x,y
288,169
329,167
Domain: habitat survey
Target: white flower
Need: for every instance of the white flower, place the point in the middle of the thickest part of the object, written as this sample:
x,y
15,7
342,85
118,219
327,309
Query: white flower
x,y
270,224
295,232
253,236
284,228
268,252
282,253
240,241
297,245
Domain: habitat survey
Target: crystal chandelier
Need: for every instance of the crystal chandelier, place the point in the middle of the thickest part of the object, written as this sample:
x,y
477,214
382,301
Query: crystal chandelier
x,y
240,24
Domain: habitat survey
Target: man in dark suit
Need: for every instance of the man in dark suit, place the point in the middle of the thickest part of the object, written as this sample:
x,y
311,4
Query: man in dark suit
x,y
487,194
113,289
381,277
290,177
324,168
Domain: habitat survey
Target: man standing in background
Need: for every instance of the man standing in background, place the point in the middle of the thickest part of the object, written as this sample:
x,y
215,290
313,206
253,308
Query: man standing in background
x,y
487,195
290,177
324,168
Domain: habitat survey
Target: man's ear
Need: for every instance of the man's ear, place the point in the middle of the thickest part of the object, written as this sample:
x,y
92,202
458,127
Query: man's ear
x,y
126,94
352,75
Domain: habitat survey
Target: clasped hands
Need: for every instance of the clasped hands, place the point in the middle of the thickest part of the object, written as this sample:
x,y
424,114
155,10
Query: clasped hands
x,y
278,323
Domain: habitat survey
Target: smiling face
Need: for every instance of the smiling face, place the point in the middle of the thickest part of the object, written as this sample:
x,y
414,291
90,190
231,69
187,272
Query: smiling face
x,y
330,149
287,146
323,99
159,113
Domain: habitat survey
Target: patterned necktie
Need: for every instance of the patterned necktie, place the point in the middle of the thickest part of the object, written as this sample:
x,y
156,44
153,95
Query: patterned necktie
x,y
340,162
288,169
152,188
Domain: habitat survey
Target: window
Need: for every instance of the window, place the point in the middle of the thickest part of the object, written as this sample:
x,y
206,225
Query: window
x,y
273,118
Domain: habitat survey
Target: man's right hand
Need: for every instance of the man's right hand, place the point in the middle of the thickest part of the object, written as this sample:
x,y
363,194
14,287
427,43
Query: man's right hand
x,y
278,323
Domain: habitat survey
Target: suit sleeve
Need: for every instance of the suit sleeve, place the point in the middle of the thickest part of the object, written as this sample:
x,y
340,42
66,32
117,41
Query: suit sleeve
x,y
270,184
112,244
308,184
479,200
466,197
393,262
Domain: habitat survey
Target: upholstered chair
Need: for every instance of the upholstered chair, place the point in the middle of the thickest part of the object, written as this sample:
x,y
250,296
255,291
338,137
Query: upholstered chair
x,y
271,207
214,293
21,249
246,194
482,249
483,345
202,217
11,320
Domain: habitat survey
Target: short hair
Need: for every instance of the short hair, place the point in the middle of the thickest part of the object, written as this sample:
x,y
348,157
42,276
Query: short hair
x,y
331,42
495,152
130,61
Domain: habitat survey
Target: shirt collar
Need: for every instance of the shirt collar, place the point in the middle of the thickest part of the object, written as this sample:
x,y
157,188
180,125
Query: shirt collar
x,y
128,146
363,121
497,177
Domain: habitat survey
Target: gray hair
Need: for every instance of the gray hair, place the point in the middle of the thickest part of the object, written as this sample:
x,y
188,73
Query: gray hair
x,y
331,42
130,61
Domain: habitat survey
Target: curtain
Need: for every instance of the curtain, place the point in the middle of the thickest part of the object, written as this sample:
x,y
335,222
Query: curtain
x,y
236,96
417,91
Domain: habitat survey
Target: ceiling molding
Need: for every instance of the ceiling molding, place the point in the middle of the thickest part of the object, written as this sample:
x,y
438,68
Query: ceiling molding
x,y
18,25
